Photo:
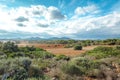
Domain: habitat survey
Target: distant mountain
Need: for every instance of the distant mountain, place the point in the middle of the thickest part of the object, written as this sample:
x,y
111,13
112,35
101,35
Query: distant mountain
x,y
34,38
38,38
56,38
52,38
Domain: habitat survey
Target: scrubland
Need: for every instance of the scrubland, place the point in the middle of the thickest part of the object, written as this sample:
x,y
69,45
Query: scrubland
x,y
93,60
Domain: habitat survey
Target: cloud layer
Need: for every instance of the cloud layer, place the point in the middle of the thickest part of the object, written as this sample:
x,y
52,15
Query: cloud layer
x,y
42,21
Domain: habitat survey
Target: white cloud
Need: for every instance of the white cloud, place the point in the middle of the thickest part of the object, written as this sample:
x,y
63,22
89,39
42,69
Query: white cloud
x,y
91,9
50,21
33,18
104,25
54,13
21,19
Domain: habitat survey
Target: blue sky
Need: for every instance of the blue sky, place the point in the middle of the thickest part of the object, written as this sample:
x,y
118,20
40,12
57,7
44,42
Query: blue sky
x,y
76,19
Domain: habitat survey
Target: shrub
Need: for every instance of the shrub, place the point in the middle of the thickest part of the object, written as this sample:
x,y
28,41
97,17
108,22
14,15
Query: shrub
x,y
35,72
62,57
9,47
43,78
95,73
20,74
41,54
40,49
103,52
78,47
68,46
42,63
2,69
117,47
70,69
103,49
79,66
84,44
16,54
26,64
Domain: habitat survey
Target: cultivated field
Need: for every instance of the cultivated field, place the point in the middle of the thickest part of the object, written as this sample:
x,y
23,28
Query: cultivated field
x,y
58,49
69,51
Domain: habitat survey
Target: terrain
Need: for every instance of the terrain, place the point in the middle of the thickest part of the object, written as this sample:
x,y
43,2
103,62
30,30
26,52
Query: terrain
x,y
60,60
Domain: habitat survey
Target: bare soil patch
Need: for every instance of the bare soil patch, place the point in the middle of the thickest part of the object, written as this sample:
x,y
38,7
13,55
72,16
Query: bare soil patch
x,y
69,51
59,49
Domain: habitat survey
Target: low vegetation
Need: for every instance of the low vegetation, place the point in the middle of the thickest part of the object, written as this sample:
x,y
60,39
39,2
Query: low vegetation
x,y
100,63
31,63
78,47
80,42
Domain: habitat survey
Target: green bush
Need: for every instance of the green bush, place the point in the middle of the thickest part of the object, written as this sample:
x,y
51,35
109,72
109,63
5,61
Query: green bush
x,y
103,49
79,66
9,47
70,69
22,68
117,47
43,63
78,47
26,64
35,72
40,78
28,49
41,54
103,52
20,74
31,54
16,54
62,57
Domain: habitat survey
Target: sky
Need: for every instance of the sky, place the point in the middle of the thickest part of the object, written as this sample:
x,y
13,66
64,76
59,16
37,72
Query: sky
x,y
75,19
